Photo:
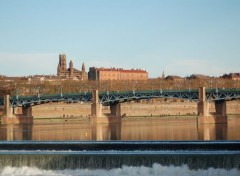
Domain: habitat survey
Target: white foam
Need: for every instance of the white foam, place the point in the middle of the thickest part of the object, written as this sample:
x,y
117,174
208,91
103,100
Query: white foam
x,y
155,170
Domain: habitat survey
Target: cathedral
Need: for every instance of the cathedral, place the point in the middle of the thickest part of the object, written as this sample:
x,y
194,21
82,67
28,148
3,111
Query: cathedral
x,y
71,72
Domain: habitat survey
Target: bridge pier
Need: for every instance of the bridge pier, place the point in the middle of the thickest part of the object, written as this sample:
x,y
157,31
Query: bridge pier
x,y
115,110
10,118
96,111
96,107
8,110
27,111
204,117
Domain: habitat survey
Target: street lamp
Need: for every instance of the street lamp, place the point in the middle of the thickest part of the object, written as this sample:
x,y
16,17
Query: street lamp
x,y
189,82
216,85
136,83
160,86
177,85
38,91
61,93
210,82
233,84
133,88
126,86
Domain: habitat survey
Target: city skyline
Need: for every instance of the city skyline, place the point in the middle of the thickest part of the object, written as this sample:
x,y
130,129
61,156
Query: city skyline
x,y
177,37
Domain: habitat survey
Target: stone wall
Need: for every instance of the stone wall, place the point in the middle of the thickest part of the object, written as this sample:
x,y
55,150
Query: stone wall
x,y
61,110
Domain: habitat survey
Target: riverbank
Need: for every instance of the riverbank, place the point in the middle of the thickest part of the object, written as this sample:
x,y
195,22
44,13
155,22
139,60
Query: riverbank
x,y
63,110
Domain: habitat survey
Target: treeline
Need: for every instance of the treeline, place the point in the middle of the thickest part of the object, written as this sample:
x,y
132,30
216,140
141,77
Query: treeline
x,y
22,87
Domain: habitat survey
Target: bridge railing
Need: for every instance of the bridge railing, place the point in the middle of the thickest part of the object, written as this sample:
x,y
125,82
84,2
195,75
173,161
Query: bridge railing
x,y
127,92
223,90
50,95
147,91
151,93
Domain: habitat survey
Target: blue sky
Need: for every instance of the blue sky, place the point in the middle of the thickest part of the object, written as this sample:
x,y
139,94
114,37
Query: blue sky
x,y
181,37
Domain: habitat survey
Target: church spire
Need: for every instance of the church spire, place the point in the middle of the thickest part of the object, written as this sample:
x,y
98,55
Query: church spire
x,y
70,64
163,75
71,69
83,67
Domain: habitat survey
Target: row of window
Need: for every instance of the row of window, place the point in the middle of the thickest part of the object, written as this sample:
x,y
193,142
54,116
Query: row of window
x,y
129,79
123,75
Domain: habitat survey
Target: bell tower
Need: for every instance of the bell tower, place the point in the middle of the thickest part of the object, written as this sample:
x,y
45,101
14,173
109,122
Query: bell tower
x,y
62,66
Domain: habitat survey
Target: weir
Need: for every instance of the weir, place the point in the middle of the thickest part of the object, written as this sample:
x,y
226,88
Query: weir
x,y
108,155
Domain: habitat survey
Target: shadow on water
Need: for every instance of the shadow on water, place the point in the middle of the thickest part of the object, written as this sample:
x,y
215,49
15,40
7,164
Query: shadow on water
x,y
212,131
56,132
106,132
16,132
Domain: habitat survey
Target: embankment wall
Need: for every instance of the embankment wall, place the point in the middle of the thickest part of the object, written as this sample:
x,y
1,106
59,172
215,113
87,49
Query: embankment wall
x,y
129,109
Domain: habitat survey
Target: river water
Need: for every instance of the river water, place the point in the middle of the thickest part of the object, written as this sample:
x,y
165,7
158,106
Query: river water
x,y
130,129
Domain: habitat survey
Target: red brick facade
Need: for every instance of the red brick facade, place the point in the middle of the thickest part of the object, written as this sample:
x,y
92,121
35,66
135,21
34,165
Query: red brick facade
x,y
102,74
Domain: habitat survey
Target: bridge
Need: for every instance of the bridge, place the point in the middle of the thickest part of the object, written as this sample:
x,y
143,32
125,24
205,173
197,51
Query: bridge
x,y
113,99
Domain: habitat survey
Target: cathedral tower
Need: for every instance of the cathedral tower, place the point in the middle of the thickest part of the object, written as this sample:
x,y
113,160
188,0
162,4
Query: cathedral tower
x,y
70,72
62,66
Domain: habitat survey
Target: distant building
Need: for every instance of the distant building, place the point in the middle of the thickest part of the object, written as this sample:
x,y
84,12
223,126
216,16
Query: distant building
x,y
71,72
102,74
42,78
233,76
174,78
199,76
12,79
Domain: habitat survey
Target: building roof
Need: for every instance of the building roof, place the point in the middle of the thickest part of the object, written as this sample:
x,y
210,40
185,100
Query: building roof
x,y
7,78
172,77
231,76
134,71
74,70
121,70
199,76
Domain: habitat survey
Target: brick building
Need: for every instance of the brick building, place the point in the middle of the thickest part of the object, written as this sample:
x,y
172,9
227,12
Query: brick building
x,y
102,74
71,72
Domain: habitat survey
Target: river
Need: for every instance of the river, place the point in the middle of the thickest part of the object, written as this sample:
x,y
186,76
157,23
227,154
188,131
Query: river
x,y
128,129
121,162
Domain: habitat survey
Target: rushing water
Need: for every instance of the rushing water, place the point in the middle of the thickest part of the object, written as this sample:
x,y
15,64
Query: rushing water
x,y
154,170
129,161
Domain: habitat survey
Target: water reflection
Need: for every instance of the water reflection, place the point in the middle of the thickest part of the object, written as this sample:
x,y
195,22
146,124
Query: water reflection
x,y
106,132
212,132
16,132
128,129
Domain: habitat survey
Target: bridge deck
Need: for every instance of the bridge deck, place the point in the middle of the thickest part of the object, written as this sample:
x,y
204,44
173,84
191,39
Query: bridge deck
x,y
107,98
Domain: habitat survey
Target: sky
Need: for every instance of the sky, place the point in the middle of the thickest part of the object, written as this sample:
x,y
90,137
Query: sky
x,y
179,37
